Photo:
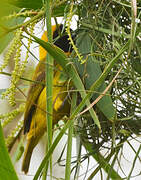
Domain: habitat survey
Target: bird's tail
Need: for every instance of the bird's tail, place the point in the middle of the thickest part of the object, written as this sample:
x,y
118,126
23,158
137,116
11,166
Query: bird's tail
x,y
32,141
27,155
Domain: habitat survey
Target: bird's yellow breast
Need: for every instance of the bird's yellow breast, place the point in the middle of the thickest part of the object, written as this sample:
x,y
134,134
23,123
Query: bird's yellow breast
x,y
38,124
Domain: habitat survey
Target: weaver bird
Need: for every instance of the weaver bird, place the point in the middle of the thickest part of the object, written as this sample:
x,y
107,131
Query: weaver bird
x,y
35,109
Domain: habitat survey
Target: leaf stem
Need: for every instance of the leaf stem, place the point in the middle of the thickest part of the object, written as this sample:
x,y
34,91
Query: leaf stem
x,y
49,85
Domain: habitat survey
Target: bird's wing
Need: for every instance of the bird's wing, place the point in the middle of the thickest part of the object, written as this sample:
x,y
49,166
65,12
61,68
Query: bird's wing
x,y
33,94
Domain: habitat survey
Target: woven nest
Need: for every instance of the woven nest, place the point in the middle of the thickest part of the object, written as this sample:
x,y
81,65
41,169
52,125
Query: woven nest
x,y
126,99
125,91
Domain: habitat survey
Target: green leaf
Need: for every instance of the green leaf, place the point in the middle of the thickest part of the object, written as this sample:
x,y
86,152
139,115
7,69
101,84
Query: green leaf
x,y
30,4
8,7
5,10
91,71
58,10
6,168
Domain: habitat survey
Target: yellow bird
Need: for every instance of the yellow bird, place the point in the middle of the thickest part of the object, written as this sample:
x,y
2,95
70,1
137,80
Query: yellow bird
x,y
35,110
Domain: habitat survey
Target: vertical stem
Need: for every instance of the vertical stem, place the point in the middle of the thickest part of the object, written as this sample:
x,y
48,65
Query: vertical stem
x,y
78,152
49,86
69,144
69,150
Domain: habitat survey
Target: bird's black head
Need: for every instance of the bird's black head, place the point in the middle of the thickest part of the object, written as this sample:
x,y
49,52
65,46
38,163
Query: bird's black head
x,y
61,39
